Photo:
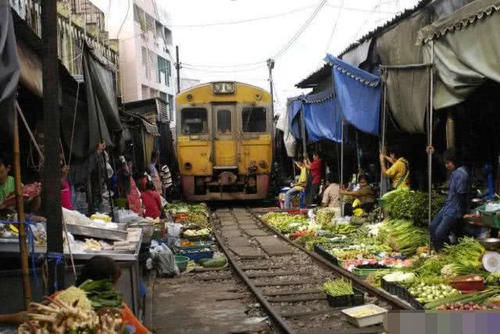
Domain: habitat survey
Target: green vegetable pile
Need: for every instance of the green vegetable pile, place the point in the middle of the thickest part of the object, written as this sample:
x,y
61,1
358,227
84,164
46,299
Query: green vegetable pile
x,y
465,257
338,287
286,223
182,207
402,236
476,297
428,293
324,216
341,228
101,294
412,205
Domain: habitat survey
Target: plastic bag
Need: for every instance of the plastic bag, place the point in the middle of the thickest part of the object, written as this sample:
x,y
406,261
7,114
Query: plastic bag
x,y
164,260
174,230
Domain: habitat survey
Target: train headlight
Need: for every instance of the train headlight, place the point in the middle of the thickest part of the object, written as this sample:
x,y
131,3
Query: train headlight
x,y
188,165
263,164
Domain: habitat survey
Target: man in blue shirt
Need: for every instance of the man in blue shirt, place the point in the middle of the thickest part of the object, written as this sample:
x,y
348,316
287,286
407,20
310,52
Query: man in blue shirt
x,y
455,205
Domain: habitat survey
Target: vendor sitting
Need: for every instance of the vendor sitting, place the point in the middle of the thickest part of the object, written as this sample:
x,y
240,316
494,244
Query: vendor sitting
x,y
455,205
331,193
31,192
297,187
365,195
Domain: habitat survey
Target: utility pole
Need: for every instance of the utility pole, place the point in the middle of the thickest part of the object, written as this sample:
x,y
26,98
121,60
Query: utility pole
x,y
51,176
270,66
178,68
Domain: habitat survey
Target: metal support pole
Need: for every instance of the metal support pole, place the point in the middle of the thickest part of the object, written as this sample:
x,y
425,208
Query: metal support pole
x,y
450,130
51,192
270,66
20,214
342,169
178,68
383,184
303,133
429,153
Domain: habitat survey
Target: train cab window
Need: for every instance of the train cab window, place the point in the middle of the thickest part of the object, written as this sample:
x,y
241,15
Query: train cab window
x,y
254,119
224,121
194,121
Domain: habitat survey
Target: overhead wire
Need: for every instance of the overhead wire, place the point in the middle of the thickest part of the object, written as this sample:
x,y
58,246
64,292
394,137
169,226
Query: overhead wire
x,y
332,33
124,19
300,31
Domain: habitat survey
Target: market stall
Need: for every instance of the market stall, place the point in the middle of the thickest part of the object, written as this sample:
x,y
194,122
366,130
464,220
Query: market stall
x,y
84,238
389,249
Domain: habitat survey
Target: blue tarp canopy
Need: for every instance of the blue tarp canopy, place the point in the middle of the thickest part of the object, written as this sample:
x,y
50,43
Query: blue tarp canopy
x,y
358,95
321,118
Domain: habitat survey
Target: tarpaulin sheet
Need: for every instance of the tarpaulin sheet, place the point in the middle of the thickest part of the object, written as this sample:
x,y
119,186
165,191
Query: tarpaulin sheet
x,y
9,70
358,95
322,118
288,138
407,88
466,51
104,120
293,109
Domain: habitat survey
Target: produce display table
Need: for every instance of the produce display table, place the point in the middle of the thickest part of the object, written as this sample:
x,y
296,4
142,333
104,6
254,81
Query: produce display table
x,y
128,285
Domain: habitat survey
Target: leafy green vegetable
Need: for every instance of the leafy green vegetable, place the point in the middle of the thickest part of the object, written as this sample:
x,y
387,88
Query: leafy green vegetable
x,y
338,287
465,257
402,236
412,205
286,223
102,294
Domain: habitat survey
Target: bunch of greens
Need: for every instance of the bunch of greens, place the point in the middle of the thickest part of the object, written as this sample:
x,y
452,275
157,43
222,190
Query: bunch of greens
x,y
338,287
402,236
412,205
182,207
430,267
465,257
101,294
286,223
324,216
340,228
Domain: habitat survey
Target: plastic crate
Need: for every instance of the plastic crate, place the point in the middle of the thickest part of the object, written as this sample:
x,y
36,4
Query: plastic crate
x,y
197,255
365,272
355,299
327,256
394,289
489,218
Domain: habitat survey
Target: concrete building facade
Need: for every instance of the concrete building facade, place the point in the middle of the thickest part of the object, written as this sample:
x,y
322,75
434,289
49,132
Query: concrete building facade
x,y
147,55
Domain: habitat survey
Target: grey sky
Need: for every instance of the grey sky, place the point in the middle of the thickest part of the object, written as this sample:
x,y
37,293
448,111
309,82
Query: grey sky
x,y
208,48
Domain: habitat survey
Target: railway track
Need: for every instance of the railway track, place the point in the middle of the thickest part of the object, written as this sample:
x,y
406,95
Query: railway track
x,y
286,278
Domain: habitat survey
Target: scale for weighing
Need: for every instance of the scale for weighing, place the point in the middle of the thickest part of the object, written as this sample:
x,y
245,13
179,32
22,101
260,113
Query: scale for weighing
x,y
491,258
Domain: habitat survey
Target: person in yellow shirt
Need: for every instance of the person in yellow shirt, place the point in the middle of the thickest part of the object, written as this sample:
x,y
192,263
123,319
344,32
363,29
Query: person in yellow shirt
x,y
297,187
399,172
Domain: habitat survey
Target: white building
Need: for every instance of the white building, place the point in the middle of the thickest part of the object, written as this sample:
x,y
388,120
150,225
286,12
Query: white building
x,y
147,54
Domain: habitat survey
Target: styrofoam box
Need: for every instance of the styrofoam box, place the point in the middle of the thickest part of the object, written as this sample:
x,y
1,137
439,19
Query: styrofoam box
x,y
369,320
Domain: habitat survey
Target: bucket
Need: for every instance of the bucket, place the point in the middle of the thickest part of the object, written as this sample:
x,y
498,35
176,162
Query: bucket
x,y
181,262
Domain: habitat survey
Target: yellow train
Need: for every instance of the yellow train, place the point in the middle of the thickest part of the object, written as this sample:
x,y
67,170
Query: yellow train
x,y
224,141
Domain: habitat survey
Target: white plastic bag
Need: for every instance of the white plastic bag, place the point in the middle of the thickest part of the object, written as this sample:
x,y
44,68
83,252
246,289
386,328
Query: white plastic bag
x,y
174,230
164,260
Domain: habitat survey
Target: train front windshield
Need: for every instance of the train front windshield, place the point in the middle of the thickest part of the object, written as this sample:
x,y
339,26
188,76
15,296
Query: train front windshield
x,y
194,121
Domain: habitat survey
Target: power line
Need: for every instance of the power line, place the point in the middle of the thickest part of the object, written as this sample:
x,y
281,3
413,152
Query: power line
x,y
332,33
124,19
299,32
249,20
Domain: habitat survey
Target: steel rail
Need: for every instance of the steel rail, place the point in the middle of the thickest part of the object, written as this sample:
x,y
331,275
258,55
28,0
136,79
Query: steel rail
x,y
262,299
394,301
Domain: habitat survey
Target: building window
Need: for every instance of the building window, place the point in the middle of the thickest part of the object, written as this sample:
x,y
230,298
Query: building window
x,y
254,119
145,62
169,72
194,121
162,71
145,92
153,64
